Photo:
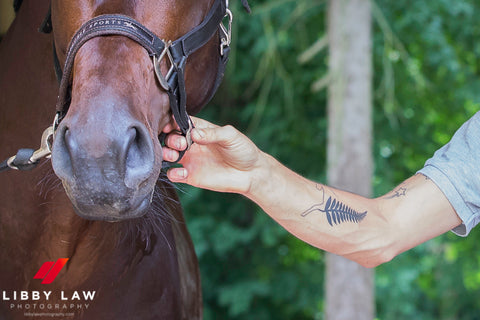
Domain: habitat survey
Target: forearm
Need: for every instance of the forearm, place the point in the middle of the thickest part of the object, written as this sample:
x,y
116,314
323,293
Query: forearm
x,y
368,231
330,219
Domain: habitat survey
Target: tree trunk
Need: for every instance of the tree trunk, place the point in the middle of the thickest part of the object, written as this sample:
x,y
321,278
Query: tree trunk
x,y
6,15
349,286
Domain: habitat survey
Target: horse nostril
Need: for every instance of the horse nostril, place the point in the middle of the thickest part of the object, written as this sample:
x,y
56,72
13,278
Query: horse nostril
x,y
70,144
120,155
62,152
139,160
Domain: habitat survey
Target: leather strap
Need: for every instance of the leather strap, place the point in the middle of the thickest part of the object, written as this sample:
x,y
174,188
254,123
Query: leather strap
x,y
100,26
199,36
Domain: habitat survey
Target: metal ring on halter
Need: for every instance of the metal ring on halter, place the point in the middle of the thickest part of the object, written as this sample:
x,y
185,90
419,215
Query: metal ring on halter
x,y
56,122
227,39
188,134
156,64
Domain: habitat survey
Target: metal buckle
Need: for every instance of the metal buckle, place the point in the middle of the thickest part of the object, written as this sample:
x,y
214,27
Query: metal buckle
x,y
56,122
45,149
156,64
226,39
188,134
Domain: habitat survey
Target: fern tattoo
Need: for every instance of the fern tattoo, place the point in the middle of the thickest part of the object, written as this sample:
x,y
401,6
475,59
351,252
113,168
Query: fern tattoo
x,y
337,212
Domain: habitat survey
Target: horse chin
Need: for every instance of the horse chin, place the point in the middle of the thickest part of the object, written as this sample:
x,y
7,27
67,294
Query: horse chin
x,y
113,215
111,209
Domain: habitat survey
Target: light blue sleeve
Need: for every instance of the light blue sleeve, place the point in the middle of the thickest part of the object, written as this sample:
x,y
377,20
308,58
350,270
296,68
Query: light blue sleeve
x,y
455,169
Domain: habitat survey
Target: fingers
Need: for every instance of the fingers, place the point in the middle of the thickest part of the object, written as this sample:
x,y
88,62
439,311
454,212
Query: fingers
x,y
171,126
177,175
176,141
222,135
197,122
201,123
170,155
205,133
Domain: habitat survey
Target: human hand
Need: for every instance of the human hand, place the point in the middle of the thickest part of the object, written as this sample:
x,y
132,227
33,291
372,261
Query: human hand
x,y
221,159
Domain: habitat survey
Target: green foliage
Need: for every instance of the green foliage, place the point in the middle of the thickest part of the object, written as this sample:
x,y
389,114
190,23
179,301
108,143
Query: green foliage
x,y
426,84
429,59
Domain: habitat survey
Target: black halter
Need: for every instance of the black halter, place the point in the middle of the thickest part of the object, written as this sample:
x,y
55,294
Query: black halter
x,y
177,53
173,82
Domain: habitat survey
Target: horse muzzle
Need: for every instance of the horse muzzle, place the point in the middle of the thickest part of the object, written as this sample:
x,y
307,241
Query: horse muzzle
x,y
107,166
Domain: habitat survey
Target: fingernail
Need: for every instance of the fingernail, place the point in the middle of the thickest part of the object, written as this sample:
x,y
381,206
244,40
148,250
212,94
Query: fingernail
x,y
198,134
179,144
182,173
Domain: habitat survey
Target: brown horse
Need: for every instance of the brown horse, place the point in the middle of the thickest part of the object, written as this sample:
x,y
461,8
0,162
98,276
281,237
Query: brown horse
x,y
108,158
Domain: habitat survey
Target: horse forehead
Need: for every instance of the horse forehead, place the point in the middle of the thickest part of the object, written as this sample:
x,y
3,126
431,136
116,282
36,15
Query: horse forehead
x,y
169,19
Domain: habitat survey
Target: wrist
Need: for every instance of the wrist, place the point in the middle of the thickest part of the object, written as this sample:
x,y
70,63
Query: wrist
x,y
260,176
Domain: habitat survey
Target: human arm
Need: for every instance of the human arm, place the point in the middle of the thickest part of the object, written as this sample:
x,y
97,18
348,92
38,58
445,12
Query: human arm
x,y
368,231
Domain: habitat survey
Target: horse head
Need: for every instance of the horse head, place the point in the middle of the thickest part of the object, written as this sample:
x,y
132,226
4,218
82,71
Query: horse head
x,y
106,149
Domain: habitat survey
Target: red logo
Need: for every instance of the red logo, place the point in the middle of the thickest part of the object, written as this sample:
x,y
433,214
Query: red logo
x,y
49,270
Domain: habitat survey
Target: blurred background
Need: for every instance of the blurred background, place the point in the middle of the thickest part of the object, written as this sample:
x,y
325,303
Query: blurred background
x,y
426,60
425,85
6,15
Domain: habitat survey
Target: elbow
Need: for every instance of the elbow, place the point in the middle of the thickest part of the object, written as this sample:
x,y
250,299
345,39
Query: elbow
x,y
373,256
377,246
376,260
372,244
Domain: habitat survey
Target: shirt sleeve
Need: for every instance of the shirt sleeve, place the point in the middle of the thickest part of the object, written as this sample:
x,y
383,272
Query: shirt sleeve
x,y
455,169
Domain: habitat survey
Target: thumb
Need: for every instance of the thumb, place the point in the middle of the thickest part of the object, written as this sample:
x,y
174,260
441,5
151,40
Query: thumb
x,y
204,135
221,135
198,135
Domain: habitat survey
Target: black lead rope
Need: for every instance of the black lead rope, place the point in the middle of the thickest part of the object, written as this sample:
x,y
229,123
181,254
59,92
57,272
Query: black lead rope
x,y
27,159
21,161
